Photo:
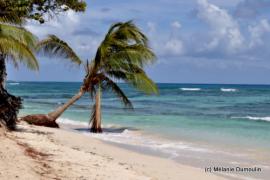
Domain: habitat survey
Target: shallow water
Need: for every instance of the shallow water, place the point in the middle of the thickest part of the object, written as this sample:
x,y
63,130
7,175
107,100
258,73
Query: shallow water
x,y
184,118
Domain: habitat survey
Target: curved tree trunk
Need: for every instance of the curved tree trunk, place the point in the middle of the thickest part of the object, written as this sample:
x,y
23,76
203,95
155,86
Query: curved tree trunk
x,y
49,120
9,104
96,115
60,110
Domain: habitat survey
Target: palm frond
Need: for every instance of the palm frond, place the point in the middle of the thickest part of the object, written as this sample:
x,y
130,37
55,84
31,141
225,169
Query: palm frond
x,y
108,84
18,51
112,29
124,42
20,34
52,45
128,32
117,74
129,59
143,83
137,54
11,17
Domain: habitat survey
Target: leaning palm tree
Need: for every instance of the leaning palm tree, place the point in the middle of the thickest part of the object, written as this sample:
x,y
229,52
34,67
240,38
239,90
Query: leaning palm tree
x,y
122,55
16,45
53,46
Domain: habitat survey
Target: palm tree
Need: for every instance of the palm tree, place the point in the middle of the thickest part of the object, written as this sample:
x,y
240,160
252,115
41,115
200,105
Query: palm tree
x,y
17,46
57,47
53,46
122,55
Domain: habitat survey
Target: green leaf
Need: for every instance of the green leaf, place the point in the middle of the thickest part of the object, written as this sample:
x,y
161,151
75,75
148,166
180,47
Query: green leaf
x,y
53,46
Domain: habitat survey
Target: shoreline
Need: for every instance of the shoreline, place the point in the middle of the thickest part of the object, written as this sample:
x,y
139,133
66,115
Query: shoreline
x,y
45,153
190,153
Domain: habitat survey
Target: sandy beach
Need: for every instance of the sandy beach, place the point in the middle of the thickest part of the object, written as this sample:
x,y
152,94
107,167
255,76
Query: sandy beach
x,y
115,90
44,153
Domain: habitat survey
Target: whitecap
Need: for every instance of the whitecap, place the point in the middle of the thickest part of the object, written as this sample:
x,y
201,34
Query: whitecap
x,y
228,90
14,84
267,118
190,89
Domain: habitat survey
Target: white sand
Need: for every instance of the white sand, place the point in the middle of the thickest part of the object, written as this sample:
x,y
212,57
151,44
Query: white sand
x,y
44,153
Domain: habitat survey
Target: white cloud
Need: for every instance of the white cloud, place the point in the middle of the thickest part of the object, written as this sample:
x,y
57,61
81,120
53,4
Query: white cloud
x,y
222,37
64,24
176,25
72,17
174,47
257,32
225,30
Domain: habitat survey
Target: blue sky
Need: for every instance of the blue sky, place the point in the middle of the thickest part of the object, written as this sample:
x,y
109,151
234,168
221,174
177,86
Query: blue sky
x,y
196,41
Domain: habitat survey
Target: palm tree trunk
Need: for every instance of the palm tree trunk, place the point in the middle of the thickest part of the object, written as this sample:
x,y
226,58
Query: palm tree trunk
x,y
9,104
3,71
60,110
96,116
49,120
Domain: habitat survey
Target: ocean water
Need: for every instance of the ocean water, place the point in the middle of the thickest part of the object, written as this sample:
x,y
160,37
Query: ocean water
x,y
183,118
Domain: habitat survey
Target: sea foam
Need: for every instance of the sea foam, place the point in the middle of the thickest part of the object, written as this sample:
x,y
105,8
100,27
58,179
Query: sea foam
x,y
190,89
71,122
14,84
228,90
134,138
254,118
171,149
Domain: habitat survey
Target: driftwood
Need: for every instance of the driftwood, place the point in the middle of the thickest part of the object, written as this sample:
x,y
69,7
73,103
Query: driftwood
x,y
40,120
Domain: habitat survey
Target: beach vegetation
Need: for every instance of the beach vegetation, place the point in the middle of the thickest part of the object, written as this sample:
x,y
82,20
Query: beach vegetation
x,y
18,11
18,45
121,57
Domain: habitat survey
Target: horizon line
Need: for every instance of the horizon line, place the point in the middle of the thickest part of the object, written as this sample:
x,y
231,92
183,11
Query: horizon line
x,y
191,83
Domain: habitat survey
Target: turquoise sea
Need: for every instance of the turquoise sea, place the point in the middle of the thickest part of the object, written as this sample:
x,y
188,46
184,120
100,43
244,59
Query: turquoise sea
x,y
183,118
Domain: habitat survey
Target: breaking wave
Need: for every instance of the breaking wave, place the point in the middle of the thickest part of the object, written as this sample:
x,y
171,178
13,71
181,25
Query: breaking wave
x,y
72,122
190,89
267,119
135,138
14,83
228,90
